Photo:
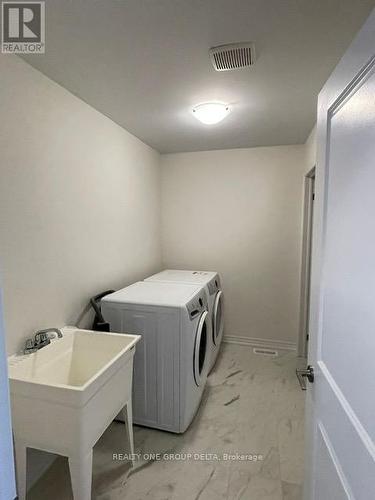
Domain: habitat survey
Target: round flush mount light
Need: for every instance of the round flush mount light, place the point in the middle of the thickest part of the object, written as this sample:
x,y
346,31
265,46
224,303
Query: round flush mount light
x,y
210,113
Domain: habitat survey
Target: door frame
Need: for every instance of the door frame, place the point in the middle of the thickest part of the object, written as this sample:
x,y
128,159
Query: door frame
x,y
7,472
308,203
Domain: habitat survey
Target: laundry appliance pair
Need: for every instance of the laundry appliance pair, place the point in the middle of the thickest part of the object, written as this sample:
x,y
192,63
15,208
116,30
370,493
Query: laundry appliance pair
x,y
181,326
211,283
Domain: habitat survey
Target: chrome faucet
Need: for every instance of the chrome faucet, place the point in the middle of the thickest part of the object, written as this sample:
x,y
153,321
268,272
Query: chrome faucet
x,y
41,339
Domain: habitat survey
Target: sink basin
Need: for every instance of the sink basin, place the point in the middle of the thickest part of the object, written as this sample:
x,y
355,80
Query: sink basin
x,y
66,394
70,369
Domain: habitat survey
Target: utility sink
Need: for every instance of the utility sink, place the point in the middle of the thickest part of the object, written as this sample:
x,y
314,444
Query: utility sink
x,y
70,369
66,394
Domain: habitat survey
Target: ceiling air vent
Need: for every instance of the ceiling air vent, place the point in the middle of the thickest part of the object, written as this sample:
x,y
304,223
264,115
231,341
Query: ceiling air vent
x,y
233,56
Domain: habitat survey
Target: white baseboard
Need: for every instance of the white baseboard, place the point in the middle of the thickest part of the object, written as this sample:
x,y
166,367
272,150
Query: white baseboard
x,y
264,343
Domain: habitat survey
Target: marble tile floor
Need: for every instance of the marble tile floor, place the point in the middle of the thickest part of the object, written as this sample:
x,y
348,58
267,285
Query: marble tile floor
x,y
248,435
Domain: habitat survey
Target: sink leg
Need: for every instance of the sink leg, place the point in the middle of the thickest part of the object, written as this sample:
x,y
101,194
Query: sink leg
x,y
128,418
81,475
21,458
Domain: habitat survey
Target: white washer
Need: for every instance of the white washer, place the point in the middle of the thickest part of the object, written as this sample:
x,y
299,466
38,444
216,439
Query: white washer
x,y
210,280
172,358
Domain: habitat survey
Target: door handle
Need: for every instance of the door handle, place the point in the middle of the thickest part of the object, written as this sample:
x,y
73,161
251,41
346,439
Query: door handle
x,y
302,374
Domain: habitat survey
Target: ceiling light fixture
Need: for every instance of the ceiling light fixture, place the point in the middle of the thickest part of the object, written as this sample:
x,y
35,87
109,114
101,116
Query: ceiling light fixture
x,y
210,113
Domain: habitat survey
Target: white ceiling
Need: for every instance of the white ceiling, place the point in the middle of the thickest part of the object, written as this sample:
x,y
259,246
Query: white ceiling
x,y
145,64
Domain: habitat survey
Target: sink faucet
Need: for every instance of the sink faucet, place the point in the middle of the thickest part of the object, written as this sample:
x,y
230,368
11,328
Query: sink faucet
x,y
41,339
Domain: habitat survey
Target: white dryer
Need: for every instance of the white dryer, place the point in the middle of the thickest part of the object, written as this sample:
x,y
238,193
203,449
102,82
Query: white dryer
x,y
210,281
172,358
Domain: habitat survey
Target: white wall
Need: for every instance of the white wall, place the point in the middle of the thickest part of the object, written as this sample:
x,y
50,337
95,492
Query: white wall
x,y
240,212
79,203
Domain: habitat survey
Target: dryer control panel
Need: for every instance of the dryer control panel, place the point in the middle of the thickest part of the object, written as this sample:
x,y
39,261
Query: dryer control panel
x,y
197,305
214,285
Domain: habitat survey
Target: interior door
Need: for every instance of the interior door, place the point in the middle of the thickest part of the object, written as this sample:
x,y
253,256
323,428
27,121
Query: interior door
x,y
7,480
340,459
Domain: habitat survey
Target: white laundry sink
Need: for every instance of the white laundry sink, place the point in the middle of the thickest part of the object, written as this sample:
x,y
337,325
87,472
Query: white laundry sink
x,y
66,394
71,369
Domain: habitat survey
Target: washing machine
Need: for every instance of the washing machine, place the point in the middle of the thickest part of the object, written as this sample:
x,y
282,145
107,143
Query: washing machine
x,y
211,282
172,358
